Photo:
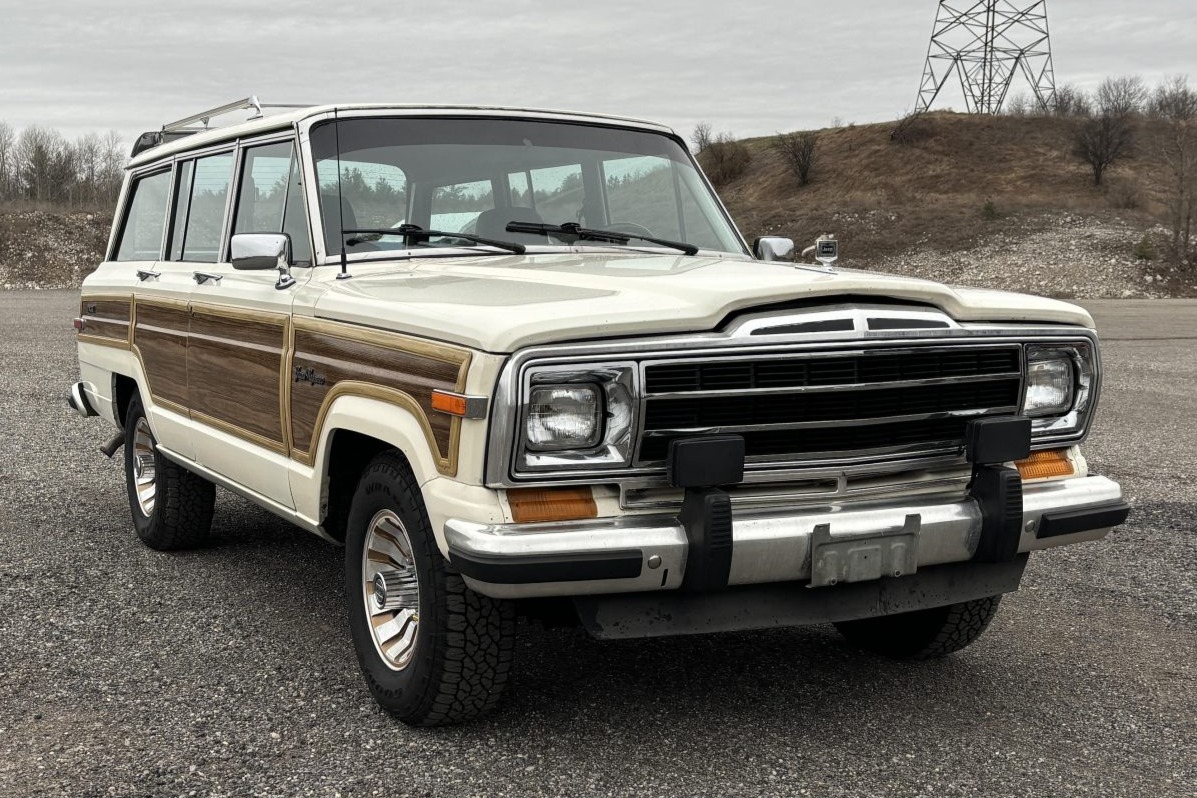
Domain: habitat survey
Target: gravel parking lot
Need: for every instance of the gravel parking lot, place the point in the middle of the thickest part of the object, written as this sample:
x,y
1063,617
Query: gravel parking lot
x,y
228,671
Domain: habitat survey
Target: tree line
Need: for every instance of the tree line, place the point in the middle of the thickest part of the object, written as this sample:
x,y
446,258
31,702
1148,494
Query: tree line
x,y
39,165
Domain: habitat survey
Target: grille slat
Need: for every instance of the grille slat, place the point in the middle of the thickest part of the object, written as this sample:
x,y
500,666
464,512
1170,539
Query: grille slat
x,y
831,406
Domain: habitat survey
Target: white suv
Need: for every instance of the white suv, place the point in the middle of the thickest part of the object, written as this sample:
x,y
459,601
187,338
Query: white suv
x,y
522,361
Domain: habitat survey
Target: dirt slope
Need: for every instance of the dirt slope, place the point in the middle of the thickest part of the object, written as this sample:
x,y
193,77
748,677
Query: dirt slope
x,y
991,201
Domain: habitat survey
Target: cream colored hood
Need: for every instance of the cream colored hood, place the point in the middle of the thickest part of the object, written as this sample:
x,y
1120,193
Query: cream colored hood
x,y
501,304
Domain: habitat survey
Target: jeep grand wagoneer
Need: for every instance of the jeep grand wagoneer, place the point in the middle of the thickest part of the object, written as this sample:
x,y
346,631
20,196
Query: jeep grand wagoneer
x,y
522,361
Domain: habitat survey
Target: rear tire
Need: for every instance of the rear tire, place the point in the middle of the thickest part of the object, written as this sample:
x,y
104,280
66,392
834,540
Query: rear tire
x,y
172,507
432,651
923,634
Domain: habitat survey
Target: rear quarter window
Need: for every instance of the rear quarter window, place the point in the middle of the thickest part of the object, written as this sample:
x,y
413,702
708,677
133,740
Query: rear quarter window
x,y
145,219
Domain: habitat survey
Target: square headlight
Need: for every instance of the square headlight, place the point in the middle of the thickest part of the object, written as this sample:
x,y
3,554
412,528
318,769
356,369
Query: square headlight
x,y
1061,389
576,418
1049,385
564,417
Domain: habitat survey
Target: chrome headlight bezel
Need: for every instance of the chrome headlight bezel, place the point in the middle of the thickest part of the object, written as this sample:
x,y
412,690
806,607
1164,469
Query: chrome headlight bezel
x,y
1069,422
615,385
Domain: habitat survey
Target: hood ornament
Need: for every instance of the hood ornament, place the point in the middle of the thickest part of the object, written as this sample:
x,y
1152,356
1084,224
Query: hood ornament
x,y
826,251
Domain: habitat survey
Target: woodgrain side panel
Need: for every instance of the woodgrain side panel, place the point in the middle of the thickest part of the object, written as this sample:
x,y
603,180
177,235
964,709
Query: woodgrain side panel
x,y
106,319
160,340
331,360
235,360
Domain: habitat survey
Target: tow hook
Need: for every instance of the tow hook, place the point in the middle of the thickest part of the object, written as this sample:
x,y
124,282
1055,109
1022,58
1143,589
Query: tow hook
x,y
114,445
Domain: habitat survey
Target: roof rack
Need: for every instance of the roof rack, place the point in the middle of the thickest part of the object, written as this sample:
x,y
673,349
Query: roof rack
x,y
198,123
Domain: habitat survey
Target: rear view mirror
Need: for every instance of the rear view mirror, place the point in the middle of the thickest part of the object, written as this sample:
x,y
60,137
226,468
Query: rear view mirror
x,y
262,251
773,248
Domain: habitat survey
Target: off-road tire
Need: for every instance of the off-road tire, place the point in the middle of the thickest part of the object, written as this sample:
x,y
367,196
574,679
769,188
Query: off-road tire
x,y
184,501
923,634
465,642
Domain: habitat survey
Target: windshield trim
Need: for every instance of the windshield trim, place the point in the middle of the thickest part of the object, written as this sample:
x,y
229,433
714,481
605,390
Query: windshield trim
x,y
315,210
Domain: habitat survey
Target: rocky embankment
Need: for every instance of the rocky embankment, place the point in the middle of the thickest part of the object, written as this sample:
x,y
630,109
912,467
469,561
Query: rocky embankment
x,y
41,249
1061,255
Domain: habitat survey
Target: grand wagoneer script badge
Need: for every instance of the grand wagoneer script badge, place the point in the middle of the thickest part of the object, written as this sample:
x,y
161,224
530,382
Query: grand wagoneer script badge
x,y
307,374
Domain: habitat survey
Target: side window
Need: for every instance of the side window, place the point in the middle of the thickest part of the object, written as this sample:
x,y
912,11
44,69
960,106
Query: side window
x,y
455,208
270,198
198,225
141,234
182,202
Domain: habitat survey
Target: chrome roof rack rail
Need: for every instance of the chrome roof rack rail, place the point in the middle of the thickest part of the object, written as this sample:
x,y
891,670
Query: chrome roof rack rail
x,y
198,123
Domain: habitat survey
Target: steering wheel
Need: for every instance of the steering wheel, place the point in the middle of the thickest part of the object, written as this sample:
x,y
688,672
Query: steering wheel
x,y
630,227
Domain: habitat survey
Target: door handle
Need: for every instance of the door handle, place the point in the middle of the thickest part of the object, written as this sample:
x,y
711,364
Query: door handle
x,y
144,275
203,277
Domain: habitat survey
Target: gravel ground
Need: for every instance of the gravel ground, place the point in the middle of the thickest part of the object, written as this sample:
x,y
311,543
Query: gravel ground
x,y
228,671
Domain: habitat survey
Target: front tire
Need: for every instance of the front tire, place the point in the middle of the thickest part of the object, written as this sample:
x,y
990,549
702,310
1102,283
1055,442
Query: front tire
x,y
172,507
923,634
432,651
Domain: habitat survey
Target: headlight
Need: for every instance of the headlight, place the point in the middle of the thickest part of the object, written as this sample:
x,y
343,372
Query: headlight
x,y
577,418
564,417
1049,385
1061,389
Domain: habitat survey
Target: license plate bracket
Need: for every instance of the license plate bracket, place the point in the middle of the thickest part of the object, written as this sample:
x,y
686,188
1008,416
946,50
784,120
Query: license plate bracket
x,y
863,557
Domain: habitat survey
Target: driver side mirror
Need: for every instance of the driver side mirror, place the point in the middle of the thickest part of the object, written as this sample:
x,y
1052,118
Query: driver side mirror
x,y
262,251
773,248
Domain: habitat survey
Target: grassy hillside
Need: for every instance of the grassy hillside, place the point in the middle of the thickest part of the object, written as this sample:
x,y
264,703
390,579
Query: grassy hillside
x,y
961,183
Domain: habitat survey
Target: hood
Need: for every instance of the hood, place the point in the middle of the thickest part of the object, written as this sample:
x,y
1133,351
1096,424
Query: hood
x,y
501,304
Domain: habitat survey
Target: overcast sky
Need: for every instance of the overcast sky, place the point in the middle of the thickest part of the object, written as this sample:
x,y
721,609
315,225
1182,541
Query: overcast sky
x,y
748,67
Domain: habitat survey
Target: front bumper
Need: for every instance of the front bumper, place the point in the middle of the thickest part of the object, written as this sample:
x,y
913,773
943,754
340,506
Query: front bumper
x,y
821,546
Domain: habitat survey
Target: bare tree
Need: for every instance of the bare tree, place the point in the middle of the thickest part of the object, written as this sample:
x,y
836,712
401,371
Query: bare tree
x,y
88,163
1019,105
1175,104
1122,96
1102,142
798,151
725,159
702,137
113,157
7,143
1071,101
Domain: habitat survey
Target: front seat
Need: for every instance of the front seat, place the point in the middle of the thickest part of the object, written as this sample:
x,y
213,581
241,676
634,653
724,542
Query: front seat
x,y
493,224
347,219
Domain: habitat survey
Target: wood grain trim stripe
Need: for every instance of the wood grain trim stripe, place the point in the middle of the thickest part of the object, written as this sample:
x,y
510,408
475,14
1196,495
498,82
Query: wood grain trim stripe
x,y
237,361
378,376
107,319
159,330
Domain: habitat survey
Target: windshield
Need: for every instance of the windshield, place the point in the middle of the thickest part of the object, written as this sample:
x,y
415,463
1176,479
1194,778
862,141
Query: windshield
x,y
478,176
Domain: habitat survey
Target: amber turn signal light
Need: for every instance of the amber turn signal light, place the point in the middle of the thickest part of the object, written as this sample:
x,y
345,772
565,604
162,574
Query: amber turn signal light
x,y
1041,465
533,505
452,403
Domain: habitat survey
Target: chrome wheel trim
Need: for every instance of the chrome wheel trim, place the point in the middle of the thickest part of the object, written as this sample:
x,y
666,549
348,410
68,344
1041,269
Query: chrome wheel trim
x,y
145,467
390,590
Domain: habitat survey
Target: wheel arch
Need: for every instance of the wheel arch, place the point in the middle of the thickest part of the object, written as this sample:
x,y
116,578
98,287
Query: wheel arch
x,y
356,430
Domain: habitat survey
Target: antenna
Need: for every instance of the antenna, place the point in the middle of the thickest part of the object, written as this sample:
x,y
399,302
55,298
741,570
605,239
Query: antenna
x,y
986,44
344,275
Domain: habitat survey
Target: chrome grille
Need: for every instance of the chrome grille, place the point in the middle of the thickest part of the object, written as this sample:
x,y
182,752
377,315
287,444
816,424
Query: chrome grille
x,y
830,406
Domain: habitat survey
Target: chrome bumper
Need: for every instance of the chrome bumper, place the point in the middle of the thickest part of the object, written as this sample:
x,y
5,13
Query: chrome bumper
x,y
823,546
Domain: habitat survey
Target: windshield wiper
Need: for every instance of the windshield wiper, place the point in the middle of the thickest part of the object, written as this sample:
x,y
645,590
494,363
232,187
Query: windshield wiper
x,y
414,231
576,232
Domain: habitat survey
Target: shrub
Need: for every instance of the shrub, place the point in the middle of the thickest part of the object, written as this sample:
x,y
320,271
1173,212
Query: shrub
x,y
1145,249
798,152
725,159
989,211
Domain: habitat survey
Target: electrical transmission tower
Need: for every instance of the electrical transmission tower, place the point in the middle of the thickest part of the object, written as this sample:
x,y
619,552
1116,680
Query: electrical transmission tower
x,y
986,44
